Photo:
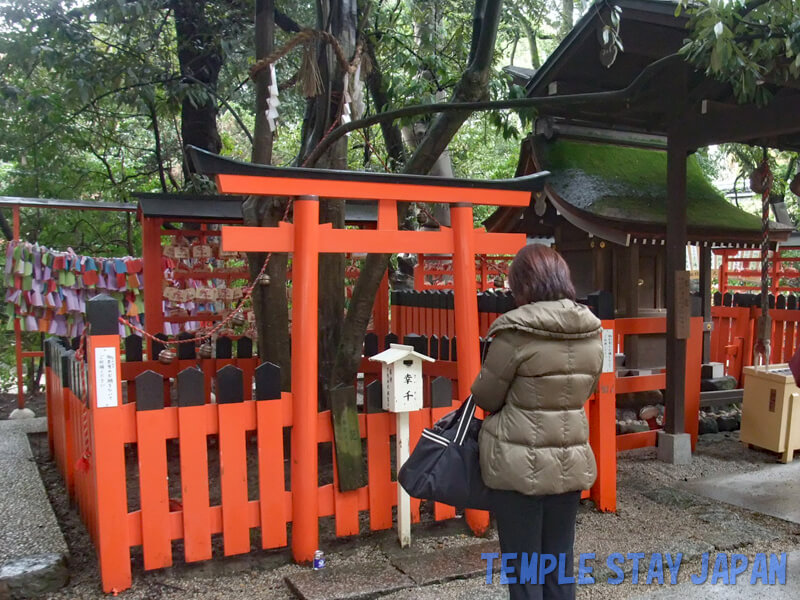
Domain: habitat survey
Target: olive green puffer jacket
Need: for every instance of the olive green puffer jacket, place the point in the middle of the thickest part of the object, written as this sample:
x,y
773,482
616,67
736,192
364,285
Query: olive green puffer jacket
x,y
541,367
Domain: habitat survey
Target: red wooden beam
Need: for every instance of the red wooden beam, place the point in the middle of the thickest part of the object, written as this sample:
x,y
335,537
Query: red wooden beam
x,y
281,239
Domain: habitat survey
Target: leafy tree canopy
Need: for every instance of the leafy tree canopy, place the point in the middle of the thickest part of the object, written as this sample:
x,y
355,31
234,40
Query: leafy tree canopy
x,y
751,44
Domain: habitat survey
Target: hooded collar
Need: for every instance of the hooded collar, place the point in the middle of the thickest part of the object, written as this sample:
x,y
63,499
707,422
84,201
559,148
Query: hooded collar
x,y
559,319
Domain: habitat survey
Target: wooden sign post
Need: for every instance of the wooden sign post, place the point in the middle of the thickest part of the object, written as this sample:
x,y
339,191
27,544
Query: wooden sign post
x,y
401,374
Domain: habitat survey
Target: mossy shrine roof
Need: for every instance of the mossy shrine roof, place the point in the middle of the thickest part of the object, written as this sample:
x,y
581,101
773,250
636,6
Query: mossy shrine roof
x,y
623,189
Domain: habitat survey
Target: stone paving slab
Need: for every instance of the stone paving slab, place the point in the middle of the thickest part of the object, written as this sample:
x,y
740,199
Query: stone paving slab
x,y
741,591
772,490
356,581
35,425
30,537
473,589
444,565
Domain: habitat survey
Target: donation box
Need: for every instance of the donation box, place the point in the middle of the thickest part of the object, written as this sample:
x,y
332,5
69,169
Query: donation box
x,y
771,410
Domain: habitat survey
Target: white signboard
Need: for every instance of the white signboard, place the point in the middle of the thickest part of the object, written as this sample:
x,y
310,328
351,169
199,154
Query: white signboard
x,y
105,377
608,350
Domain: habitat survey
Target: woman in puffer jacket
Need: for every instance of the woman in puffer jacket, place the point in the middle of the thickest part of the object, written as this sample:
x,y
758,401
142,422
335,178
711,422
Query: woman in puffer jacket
x,y
541,368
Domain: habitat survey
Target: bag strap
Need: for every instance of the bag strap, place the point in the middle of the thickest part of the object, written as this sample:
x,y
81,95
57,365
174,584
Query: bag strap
x,y
467,412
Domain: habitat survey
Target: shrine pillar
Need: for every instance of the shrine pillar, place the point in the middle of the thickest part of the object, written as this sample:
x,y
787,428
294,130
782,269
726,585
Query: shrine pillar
x,y
152,274
305,285
466,315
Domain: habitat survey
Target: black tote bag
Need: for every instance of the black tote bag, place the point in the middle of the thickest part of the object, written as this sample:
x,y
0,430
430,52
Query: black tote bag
x,y
444,465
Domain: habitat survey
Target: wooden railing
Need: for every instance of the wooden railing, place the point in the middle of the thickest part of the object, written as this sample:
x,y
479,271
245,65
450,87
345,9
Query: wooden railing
x,y
740,271
148,459
435,272
735,318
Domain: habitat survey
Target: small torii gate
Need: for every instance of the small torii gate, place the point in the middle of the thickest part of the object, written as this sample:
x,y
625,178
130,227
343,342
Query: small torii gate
x,y
306,238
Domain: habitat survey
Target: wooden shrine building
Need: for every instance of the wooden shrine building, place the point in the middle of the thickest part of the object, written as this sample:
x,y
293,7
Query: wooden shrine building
x,y
650,95
605,207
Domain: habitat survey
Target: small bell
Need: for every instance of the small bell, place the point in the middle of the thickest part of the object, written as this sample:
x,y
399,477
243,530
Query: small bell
x,y
205,350
761,179
238,319
166,356
263,279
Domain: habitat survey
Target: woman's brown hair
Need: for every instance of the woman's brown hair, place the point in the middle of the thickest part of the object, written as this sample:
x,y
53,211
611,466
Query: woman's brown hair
x,y
539,273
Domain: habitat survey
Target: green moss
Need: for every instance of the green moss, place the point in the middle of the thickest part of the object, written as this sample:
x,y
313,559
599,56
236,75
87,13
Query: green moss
x,y
630,184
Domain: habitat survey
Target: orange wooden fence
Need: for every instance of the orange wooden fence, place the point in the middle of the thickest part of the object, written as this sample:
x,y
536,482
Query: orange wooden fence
x,y
164,513
160,501
734,330
740,271
435,272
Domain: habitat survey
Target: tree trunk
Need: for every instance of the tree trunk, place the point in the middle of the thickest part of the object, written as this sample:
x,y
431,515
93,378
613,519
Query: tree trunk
x,y
567,20
426,26
391,132
473,85
6,228
530,34
200,57
339,17
269,301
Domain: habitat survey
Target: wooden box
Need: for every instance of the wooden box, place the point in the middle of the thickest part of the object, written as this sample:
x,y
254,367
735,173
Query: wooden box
x,y
771,410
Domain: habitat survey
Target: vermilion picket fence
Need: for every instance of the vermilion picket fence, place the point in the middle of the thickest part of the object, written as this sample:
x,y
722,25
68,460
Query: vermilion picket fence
x,y
149,460
735,319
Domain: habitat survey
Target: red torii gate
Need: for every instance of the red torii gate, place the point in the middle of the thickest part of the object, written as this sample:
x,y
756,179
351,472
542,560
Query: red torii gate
x,y
306,238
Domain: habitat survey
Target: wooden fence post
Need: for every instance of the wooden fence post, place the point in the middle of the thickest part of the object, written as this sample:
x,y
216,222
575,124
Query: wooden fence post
x,y
231,412
272,489
49,376
694,355
602,427
107,459
151,448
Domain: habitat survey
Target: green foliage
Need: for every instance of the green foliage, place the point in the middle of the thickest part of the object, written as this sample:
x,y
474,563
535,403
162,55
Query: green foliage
x,y
752,45
91,93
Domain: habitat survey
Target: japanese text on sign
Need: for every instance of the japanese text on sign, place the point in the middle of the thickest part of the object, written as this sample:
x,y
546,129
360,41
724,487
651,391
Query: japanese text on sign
x,y
608,350
105,377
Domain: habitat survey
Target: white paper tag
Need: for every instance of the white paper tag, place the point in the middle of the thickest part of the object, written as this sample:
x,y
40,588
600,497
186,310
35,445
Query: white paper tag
x,y
608,350
105,377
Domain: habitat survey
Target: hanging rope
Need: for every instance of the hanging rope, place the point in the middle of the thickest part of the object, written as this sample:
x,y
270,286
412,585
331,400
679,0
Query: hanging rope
x,y
761,182
308,37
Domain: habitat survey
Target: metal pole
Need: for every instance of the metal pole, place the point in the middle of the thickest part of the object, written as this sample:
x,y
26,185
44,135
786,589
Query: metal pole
x,y
18,330
305,290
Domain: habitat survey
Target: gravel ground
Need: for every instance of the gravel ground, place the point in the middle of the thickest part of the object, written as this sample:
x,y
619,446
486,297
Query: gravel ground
x,y
654,515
